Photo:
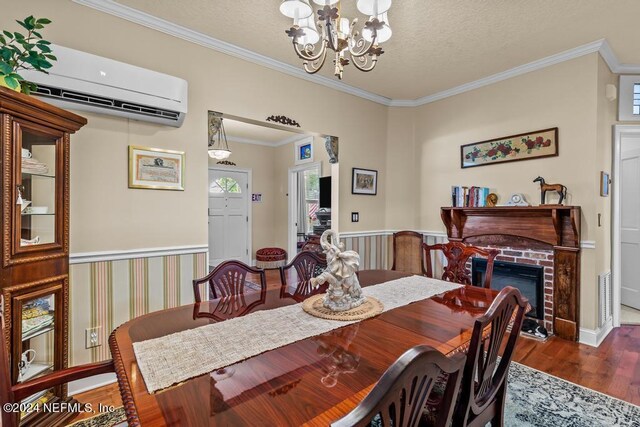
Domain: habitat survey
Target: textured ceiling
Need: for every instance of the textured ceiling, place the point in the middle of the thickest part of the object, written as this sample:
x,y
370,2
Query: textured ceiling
x,y
436,44
239,131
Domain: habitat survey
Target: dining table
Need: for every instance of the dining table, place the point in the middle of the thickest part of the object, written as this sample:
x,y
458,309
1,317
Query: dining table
x,y
310,382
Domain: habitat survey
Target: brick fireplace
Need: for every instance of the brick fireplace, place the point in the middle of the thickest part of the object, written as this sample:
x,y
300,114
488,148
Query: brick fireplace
x,y
545,236
540,262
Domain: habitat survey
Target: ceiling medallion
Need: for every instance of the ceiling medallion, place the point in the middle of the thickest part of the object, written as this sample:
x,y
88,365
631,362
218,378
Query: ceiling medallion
x,y
283,120
313,35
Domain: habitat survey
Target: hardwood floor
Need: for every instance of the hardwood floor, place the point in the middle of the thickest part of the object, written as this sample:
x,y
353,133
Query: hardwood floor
x,y
613,368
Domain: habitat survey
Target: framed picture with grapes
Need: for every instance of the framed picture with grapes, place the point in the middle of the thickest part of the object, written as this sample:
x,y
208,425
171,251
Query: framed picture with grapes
x,y
524,146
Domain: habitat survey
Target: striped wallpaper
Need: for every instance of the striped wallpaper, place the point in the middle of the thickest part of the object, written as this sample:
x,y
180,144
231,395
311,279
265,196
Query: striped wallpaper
x,y
108,293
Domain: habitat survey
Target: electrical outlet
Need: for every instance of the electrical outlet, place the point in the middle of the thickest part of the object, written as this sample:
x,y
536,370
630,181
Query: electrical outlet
x,y
92,337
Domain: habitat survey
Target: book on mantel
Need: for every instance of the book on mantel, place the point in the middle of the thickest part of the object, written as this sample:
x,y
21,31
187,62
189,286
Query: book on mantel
x,y
469,197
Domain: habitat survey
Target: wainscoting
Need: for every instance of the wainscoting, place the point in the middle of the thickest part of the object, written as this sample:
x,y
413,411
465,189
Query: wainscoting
x,y
111,289
376,247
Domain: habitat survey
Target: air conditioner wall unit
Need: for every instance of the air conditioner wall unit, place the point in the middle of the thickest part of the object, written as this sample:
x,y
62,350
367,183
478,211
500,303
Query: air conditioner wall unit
x,y
86,82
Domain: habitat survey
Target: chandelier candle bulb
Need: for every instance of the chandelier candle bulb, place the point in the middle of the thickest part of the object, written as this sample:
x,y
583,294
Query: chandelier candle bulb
x,y
296,8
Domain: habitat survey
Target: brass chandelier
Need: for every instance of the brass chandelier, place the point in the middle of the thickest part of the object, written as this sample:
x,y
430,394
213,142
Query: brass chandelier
x,y
313,36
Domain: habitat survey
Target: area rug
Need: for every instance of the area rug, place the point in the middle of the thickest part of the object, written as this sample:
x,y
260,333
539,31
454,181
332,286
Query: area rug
x,y
108,419
538,399
534,399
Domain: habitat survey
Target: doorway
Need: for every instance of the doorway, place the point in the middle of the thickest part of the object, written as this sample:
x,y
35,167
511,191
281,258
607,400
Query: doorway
x,y
229,215
626,226
304,199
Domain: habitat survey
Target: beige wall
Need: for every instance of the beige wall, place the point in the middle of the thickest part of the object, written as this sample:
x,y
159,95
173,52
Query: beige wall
x,y
564,96
105,214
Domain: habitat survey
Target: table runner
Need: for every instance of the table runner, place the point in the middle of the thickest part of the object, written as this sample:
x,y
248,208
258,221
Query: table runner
x,y
174,358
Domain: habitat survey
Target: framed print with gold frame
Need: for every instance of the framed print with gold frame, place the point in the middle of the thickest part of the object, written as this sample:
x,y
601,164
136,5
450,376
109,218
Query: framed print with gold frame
x,y
156,169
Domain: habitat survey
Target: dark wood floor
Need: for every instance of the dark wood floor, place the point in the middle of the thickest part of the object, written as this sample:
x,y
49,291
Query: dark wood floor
x,y
613,368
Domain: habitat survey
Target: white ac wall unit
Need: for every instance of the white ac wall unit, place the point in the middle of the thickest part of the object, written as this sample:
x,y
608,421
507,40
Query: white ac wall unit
x,y
86,82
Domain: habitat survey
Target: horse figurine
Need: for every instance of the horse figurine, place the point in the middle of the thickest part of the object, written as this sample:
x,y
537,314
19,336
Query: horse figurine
x,y
544,187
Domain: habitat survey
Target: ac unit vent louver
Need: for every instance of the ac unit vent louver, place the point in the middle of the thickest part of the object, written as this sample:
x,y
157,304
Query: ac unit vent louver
x,y
113,104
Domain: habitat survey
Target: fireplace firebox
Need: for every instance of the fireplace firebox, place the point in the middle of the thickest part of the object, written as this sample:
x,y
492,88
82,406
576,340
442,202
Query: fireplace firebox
x,y
529,279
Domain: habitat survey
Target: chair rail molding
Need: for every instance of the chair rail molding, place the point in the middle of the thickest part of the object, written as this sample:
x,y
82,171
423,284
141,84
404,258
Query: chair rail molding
x,y
116,255
141,18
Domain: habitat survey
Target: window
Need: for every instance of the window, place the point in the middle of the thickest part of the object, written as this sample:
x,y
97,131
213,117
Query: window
x,y
636,99
312,195
225,185
629,99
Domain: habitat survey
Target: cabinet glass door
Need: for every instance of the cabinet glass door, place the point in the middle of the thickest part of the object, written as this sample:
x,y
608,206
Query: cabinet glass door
x,y
36,196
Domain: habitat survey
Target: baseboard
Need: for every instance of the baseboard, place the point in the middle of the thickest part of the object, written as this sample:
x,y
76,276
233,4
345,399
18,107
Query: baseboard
x,y
595,337
86,384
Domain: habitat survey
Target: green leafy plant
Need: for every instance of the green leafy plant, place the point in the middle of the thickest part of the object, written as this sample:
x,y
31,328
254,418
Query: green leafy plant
x,y
24,52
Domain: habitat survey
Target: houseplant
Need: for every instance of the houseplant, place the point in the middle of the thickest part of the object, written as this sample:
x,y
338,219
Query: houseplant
x,y
24,52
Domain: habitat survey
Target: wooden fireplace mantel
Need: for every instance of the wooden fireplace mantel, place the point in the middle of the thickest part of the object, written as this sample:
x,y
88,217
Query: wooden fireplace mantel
x,y
553,227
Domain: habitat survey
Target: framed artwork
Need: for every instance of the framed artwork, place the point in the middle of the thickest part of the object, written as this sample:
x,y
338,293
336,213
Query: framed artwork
x,y
157,169
524,146
364,181
304,151
604,184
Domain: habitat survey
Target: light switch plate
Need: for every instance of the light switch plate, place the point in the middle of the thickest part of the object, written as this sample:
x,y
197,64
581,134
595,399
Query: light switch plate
x,y
355,216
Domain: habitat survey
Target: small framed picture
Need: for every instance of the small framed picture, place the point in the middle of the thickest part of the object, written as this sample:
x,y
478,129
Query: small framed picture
x,y
304,151
153,168
604,184
364,181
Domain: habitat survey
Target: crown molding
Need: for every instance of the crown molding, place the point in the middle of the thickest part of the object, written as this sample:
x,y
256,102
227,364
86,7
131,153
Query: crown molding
x,y
141,18
158,24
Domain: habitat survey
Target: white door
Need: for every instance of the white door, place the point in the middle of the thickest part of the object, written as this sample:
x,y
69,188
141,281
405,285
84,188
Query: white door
x,y
630,221
228,216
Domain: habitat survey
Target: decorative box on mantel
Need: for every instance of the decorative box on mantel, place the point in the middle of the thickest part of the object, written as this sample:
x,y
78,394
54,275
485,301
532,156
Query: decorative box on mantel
x,y
538,227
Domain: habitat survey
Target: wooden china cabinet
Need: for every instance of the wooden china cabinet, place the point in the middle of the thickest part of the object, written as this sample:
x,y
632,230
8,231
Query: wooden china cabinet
x,y
34,276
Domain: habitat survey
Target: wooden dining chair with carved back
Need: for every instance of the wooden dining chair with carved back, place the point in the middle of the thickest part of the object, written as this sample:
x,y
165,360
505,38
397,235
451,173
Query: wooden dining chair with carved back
x,y
399,397
230,279
13,394
407,252
457,255
484,380
306,265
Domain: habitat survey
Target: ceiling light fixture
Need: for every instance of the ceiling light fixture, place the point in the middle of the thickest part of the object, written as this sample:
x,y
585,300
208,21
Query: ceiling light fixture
x,y
313,36
218,145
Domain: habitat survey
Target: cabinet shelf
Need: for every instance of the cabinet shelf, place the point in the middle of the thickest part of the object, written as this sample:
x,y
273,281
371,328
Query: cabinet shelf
x,y
34,370
38,214
32,334
39,175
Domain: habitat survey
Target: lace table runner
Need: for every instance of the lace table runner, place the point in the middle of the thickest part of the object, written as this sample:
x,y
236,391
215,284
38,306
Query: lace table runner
x,y
174,358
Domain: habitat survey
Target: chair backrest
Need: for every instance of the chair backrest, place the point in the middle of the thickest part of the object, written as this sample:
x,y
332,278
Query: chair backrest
x,y
457,255
306,265
400,396
6,394
312,244
407,252
229,278
484,375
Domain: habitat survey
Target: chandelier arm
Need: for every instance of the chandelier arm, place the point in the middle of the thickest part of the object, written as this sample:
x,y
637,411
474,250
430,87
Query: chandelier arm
x,y
364,47
304,53
329,36
313,67
366,68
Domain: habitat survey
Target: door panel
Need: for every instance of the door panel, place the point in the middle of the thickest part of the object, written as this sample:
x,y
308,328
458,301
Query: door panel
x,y
228,216
630,222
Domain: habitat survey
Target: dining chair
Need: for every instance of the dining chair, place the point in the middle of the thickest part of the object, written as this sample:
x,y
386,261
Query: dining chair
x,y
457,255
484,379
399,397
13,394
307,265
407,252
230,279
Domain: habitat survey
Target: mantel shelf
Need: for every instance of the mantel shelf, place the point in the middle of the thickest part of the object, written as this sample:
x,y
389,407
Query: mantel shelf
x,y
551,225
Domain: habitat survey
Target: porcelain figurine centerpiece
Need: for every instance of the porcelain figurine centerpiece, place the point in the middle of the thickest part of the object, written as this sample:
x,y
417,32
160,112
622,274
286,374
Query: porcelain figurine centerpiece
x,y
344,291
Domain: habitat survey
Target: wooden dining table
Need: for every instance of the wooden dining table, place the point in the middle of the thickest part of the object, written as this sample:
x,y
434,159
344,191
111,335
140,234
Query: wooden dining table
x,y
309,382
